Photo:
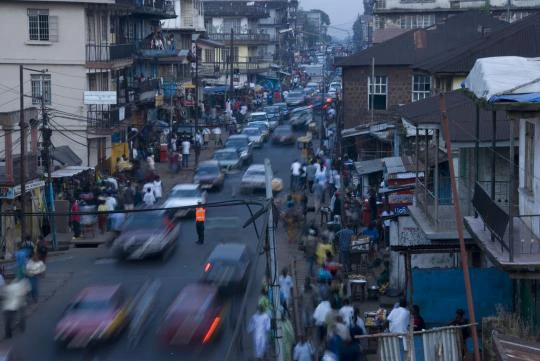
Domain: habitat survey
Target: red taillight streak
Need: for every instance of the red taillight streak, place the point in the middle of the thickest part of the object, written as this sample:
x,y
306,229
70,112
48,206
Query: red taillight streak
x,y
207,267
211,330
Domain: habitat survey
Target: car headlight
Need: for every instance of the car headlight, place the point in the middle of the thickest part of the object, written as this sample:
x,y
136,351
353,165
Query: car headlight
x,y
244,153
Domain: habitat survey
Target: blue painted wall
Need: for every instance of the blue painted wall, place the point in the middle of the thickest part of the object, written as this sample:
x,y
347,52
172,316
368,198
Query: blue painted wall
x,y
440,291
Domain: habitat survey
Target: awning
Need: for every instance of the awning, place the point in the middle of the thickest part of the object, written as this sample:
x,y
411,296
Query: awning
x,y
65,156
369,166
209,44
69,171
353,132
215,89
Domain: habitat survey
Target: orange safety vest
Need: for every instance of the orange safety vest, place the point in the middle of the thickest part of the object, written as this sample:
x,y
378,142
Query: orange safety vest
x,y
200,214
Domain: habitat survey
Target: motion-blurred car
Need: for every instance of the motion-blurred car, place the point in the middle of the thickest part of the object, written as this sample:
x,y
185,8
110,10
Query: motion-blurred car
x,y
187,196
255,136
263,126
147,234
228,158
258,117
274,116
283,109
97,314
254,179
227,266
295,98
283,135
209,175
241,143
301,118
196,316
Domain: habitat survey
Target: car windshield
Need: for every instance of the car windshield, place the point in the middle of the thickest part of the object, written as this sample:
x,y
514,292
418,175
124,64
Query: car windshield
x,y
252,131
296,94
255,172
226,156
207,170
257,117
91,306
184,193
143,220
271,109
261,126
236,143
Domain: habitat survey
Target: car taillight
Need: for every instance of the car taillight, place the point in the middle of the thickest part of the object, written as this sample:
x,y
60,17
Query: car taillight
x,y
207,267
212,329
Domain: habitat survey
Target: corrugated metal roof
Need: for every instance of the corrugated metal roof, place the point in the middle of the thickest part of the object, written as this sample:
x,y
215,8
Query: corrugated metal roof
x,y
394,165
369,166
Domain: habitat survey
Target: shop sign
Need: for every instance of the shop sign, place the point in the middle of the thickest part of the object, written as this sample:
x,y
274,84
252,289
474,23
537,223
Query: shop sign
x,y
100,97
13,192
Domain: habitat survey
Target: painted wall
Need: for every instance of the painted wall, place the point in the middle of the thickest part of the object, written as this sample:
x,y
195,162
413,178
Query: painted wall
x,y
439,292
529,201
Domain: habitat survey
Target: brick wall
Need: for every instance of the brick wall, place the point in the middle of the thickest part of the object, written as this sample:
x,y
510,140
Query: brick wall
x,y
355,96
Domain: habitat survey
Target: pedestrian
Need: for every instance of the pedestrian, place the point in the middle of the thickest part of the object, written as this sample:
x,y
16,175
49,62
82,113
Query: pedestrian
x,y
200,218
264,301
102,215
303,351
42,249
347,313
117,221
259,326
386,214
320,317
34,269
149,199
287,335
75,219
14,301
150,162
308,302
460,320
335,204
128,197
21,258
310,248
158,188
296,168
345,236
418,320
310,175
398,320
186,145
285,288
371,232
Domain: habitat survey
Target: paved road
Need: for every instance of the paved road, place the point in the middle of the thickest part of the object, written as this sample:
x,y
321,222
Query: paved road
x,y
82,267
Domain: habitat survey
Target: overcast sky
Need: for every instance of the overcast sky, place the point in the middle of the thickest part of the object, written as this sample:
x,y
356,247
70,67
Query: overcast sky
x,y
342,13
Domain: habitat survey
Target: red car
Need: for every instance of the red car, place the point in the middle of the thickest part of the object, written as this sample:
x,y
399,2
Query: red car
x,y
97,313
196,316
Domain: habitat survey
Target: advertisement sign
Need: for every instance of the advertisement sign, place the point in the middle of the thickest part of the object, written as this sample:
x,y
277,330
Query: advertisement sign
x,y
99,97
13,192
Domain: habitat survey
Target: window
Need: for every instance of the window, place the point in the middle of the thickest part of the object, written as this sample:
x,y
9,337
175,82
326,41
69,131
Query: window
x,y
421,87
209,55
229,24
377,92
41,86
41,26
225,55
529,156
416,21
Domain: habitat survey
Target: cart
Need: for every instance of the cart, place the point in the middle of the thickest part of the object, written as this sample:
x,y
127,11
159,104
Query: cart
x,y
305,145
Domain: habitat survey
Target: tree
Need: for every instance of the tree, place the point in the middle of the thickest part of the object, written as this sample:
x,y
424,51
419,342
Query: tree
x,y
358,34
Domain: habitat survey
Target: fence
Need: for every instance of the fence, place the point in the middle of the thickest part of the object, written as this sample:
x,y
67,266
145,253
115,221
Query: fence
x,y
105,52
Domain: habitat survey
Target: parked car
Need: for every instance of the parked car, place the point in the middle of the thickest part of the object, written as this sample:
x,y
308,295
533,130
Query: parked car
x,y
187,196
284,110
97,314
147,234
208,175
228,158
227,266
254,179
255,136
283,135
241,143
274,116
197,316
295,98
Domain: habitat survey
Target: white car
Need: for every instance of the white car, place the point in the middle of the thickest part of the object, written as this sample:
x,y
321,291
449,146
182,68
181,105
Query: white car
x,y
185,195
253,179
255,136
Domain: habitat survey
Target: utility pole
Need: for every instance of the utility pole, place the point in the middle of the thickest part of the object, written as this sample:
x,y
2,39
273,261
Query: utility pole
x,y
173,79
276,312
22,125
46,155
197,97
231,90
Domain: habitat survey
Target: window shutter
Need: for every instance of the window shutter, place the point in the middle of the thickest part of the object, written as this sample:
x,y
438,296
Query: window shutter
x,y
53,28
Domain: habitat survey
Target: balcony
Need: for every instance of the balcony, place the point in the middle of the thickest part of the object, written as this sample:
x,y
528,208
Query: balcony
x,y
513,246
251,67
104,122
146,90
103,56
241,38
162,9
273,22
147,49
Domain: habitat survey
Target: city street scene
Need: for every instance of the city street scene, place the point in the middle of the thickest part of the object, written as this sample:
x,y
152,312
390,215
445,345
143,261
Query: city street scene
x,y
270,180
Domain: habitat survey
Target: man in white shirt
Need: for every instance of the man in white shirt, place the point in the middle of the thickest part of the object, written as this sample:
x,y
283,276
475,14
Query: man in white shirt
x,y
386,224
285,288
303,351
347,312
185,153
296,168
158,189
399,318
149,198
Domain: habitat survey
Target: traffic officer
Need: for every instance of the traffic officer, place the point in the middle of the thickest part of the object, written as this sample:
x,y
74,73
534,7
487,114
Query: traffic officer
x,y
200,217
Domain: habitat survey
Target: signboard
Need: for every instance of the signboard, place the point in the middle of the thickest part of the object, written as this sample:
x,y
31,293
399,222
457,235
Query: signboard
x,y
13,192
99,97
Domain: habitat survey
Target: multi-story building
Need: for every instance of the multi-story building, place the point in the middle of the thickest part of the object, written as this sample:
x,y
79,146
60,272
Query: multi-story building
x,y
411,14
90,62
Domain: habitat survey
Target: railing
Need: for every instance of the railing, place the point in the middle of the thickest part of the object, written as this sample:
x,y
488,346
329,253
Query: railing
x,y
440,213
100,121
247,37
146,85
105,53
272,21
148,48
152,6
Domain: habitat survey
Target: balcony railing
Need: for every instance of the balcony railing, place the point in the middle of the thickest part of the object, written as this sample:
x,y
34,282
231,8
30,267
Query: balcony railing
x,y
106,53
106,121
150,6
240,37
148,48
146,90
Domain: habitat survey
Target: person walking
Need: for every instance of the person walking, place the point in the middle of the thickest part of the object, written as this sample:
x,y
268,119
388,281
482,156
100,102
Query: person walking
x,y
296,169
75,219
303,351
310,175
158,188
128,197
14,301
149,199
186,145
34,269
345,236
102,216
259,326
200,218
308,302
285,288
